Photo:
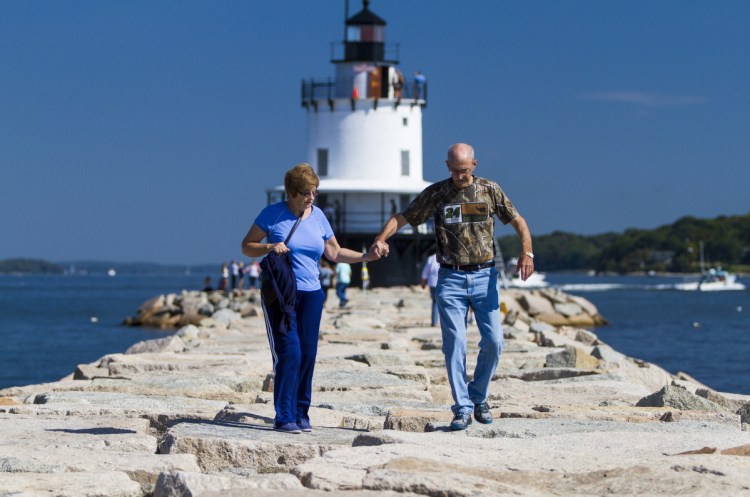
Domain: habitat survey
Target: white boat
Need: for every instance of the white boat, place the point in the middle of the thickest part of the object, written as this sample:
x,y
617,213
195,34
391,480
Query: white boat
x,y
536,280
510,277
111,272
713,280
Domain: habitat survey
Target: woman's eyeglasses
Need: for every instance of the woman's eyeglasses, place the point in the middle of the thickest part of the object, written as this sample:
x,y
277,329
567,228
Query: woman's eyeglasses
x,y
313,193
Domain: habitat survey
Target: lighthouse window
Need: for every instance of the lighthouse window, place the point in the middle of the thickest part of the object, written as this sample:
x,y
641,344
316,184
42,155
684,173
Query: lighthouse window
x,y
323,162
365,33
404,163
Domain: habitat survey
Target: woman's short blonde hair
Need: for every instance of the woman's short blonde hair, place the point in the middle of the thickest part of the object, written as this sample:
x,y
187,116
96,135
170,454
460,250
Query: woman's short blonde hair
x,y
300,178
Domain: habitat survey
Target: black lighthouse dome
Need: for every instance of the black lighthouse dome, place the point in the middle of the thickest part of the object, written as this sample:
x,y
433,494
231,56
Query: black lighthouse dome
x,y
365,36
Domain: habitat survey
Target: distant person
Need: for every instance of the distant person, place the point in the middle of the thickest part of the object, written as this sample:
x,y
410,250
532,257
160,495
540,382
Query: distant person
x,y
463,207
224,279
420,85
398,84
394,208
326,279
235,275
293,329
207,284
429,280
253,273
343,279
241,276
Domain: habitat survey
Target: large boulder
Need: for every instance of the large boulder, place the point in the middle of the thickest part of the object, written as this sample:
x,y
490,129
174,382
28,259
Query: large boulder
x,y
571,357
678,398
744,413
534,304
166,344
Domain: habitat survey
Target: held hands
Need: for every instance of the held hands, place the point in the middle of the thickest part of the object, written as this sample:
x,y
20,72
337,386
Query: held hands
x,y
380,248
377,250
371,255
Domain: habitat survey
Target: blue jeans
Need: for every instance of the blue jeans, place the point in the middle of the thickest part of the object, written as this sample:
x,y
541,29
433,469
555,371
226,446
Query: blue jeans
x,y
456,291
341,293
294,356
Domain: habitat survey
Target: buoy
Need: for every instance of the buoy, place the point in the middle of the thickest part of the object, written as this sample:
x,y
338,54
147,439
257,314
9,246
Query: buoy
x,y
696,325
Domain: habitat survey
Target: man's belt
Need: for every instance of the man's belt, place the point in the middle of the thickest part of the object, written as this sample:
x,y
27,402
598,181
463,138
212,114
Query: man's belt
x,y
468,267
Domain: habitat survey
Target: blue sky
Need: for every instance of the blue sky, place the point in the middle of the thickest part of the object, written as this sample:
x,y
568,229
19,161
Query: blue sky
x,y
149,130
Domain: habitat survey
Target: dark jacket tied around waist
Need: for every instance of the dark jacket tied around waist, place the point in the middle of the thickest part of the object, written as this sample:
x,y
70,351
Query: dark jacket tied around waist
x,y
279,287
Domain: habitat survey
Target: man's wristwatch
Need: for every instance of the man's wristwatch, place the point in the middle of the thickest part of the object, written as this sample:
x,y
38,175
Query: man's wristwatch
x,y
528,254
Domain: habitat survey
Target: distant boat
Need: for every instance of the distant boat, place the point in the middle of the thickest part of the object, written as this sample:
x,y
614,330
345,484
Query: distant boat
x,y
512,279
111,272
713,280
536,280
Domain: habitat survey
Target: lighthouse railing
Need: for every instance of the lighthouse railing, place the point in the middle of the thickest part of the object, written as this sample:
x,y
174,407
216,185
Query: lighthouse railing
x,y
327,90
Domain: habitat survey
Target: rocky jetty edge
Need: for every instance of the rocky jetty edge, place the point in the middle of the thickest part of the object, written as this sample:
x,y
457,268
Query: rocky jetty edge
x,y
191,414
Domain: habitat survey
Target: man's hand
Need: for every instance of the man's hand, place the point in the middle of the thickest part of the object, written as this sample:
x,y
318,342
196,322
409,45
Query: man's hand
x,y
525,266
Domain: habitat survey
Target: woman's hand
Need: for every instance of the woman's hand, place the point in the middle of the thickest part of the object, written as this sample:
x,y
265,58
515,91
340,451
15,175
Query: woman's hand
x,y
278,248
371,255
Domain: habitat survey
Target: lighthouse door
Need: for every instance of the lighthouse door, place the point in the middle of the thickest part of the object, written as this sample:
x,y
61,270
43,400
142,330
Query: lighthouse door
x,y
375,84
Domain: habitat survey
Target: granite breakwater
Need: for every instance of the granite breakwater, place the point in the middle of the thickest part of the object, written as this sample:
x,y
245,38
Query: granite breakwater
x,y
191,414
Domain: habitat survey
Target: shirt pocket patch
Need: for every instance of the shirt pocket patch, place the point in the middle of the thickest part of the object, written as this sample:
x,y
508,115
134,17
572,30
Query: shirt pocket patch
x,y
471,212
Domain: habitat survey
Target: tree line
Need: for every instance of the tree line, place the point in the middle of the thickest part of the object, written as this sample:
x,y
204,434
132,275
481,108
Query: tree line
x,y
669,248
29,266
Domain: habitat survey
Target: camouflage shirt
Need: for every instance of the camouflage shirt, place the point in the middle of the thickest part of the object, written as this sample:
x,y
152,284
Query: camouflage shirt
x,y
464,223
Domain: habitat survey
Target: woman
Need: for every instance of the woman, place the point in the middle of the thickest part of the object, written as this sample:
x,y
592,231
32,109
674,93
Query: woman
x,y
294,351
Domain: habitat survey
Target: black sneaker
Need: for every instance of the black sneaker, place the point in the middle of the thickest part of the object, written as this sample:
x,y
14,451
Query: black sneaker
x,y
482,413
461,421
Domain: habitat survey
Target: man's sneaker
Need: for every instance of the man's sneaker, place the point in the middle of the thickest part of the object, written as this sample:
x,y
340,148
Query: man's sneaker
x,y
304,425
482,413
287,427
461,421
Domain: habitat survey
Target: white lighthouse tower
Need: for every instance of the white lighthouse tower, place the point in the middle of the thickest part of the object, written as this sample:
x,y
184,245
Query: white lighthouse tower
x,y
364,139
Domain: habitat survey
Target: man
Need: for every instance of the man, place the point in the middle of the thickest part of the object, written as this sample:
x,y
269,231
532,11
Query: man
x,y
463,207
235,273
343,279
430,279
420,84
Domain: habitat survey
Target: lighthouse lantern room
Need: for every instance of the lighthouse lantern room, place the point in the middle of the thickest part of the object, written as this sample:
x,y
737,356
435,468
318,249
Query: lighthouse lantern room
x,y
364,139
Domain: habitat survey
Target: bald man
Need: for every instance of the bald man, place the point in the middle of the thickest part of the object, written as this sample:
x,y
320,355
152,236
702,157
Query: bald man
x,y
463,208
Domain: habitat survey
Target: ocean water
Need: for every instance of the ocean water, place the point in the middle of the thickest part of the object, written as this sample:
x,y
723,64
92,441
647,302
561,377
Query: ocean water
x,y
703,334
50,324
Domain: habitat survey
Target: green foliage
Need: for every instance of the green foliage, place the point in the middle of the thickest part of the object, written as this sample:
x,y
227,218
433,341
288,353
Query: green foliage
x,y
673,248
36,266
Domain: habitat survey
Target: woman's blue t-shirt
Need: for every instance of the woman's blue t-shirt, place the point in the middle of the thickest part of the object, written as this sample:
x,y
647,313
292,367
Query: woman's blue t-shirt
x,y
306,244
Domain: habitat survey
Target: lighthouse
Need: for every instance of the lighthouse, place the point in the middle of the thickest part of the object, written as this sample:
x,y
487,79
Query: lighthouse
x,y
364,140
